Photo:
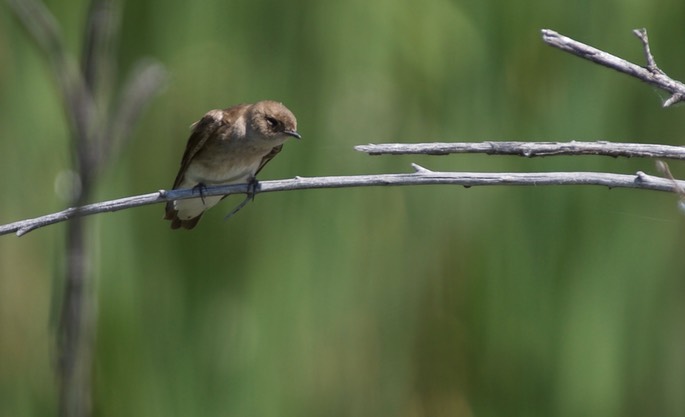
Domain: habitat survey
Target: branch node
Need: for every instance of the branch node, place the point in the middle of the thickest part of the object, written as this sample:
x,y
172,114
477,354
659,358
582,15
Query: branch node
x,y
494,146
24,230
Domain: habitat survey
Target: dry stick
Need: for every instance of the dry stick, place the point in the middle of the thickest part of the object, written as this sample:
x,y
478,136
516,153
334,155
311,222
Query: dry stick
x,y
529,149
421,176
651,74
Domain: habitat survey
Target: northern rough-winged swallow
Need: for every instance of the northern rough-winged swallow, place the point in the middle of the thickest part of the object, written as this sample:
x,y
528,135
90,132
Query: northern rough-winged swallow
x,y
228,146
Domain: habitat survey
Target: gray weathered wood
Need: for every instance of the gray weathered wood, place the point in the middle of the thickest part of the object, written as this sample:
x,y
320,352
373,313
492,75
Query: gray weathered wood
x,y
421,176
650,74
529,149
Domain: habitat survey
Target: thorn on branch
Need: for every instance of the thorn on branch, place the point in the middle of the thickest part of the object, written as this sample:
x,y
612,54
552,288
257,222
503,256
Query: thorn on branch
x,y
418,169
640,176
675,98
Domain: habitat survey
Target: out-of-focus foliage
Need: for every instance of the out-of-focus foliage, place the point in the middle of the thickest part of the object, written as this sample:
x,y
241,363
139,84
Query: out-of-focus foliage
x,y
425,301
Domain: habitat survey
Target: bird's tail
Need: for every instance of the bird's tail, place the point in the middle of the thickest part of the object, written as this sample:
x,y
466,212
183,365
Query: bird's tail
x,y
176,222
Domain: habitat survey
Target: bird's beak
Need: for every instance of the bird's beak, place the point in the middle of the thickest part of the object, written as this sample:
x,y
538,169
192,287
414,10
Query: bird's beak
x,y
293,133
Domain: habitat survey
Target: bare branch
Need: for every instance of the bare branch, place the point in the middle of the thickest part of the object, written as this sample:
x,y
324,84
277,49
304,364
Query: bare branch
x,y
529,149
652,74
421,176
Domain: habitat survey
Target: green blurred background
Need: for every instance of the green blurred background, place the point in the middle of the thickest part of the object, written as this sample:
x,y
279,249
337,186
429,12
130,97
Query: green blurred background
x,y
407,301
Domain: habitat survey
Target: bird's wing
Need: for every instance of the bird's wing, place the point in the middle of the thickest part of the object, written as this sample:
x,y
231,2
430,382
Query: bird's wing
x,y
210,123
268,157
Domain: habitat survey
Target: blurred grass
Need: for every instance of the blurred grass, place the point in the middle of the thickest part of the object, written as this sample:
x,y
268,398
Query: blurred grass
x,y
402,301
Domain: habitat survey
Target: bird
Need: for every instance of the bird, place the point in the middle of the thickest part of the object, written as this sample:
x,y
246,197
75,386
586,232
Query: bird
x,y
229,146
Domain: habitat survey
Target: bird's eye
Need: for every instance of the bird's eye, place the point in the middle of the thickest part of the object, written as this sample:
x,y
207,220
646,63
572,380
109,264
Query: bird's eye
x,y
272,122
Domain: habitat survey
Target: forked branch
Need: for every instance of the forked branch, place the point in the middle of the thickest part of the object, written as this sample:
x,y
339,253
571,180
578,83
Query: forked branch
x,y
650,74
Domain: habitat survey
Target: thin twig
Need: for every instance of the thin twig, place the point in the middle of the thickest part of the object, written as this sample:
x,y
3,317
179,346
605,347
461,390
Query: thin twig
x,y
529,149
651,74
651,62
421,176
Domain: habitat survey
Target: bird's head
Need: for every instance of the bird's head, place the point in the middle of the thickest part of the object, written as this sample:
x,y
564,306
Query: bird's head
x,y
272,121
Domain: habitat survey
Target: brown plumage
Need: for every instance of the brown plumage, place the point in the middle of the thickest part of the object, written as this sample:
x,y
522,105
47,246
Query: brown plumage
x,y
228,146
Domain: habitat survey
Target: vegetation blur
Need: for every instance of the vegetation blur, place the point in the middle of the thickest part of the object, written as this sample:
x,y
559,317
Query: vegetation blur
x,y
399,301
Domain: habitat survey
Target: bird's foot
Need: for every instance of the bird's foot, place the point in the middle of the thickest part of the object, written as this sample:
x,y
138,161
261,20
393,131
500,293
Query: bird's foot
x,y
200,188
252,188
251,192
